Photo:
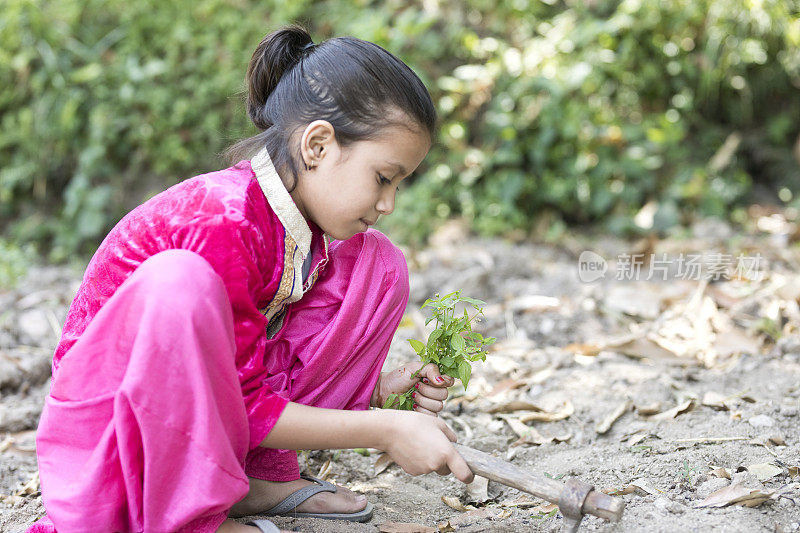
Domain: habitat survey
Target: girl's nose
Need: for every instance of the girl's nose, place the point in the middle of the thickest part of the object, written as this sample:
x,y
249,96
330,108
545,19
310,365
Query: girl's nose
x,y
385,204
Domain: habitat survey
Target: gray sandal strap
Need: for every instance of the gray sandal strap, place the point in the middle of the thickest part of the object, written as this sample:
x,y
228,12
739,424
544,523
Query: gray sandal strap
x,y
264,525
299,496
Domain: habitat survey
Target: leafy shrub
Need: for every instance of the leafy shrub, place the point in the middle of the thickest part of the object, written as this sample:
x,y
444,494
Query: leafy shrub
x,y
551,110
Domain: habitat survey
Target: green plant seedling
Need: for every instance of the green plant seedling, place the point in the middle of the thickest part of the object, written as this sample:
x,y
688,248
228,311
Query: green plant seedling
x,y
452,345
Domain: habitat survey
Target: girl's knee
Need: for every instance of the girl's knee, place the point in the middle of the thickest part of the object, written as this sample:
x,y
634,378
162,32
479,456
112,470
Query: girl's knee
x,y
174,273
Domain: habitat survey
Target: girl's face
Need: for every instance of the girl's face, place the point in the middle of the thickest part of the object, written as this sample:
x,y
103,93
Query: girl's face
x,y
348,188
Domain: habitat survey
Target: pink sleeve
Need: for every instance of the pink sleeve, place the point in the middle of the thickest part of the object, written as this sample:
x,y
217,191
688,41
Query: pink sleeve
x,y
240,255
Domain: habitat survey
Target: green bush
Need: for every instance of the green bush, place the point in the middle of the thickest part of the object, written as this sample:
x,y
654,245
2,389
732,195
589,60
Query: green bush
x,y
551,110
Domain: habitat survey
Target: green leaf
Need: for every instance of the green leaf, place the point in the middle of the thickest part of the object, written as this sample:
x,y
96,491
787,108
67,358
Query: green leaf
x,y
464,372
389,401
418,346
457,342
477,304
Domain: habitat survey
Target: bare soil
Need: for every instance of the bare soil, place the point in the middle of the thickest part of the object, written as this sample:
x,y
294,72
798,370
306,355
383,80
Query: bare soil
x,y
706,376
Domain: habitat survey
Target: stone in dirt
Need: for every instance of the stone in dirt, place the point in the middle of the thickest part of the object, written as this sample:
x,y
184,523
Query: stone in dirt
x,y
761,421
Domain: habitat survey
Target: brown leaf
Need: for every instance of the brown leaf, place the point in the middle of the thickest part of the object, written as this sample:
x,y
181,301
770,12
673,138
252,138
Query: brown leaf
x,y
649,409
31,487
566,410
638,437
514,405
735,493
381,463
324,470
455,503
544,508
504,386
521,502
584,349
794,471
612,417
675,411
644,485
639,484
630,489
478,490
715,400
405,527
720,472
764,471
470,517
776,440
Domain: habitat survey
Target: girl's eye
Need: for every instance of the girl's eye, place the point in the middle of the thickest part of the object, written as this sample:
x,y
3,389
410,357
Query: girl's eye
x,y
384,180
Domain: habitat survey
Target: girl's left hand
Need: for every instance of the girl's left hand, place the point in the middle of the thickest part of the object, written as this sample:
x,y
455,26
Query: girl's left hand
x,y
431,387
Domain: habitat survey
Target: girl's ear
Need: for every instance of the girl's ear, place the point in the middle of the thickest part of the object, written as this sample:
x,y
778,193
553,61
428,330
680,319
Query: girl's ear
x,y
316,142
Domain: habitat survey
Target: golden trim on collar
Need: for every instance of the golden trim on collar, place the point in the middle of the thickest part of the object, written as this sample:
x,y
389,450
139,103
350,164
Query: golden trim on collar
x,y
280,200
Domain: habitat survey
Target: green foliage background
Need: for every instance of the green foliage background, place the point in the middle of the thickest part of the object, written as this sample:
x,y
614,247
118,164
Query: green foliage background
x,y
553,111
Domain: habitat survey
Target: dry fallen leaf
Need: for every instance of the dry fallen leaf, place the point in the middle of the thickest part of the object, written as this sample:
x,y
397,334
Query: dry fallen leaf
x,y
324,470
514,405
630,489
478,490
715,400
637,437
530,435
735,493
566,410
764,471
7,442
777,440
405,527
381,463
455,503
521,502
612,417
31,487
640,484
645,486
544,508
721,472
675,411
505,386
470,517
794,471
649,409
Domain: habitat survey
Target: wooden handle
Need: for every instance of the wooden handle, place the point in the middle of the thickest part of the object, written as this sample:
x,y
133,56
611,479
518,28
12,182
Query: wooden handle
x,y
495,469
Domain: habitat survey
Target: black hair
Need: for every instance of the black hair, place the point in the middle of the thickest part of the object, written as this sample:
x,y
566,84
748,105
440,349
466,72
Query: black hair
x,y
355,85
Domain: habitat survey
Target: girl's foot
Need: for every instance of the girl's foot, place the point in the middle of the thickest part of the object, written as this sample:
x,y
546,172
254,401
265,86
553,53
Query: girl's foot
x,y
265,495
229,526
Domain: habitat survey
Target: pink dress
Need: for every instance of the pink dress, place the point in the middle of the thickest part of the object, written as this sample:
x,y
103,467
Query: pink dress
x,y
191,330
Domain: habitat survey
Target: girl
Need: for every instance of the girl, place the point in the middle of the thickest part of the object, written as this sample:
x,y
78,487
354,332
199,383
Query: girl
x,y
218,326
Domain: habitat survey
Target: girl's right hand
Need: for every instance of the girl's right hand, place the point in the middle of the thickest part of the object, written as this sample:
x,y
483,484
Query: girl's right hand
x,y
421,444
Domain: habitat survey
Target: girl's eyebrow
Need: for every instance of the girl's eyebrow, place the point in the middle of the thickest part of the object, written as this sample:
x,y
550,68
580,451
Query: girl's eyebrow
x,y
400,168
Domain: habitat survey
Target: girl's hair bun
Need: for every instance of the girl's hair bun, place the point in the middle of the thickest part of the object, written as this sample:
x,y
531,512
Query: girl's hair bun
x,y
355,85
278,52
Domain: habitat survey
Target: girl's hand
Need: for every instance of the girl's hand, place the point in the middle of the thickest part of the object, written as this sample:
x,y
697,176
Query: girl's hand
x,y
422,444
431,387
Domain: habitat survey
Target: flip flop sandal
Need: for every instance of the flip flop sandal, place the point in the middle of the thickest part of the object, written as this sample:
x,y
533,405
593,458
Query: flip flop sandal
x,y
264,525
287,506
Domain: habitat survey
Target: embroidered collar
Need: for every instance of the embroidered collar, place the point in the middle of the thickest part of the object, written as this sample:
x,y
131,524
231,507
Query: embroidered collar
x,y
280,200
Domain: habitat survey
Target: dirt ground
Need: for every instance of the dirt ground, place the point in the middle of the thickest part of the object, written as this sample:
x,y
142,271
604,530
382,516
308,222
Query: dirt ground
x,y
678,395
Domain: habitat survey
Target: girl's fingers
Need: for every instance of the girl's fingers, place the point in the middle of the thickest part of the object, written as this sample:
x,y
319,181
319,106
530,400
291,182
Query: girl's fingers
x,y
443,471
426,405
458,466
434,393
431,373
449,433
